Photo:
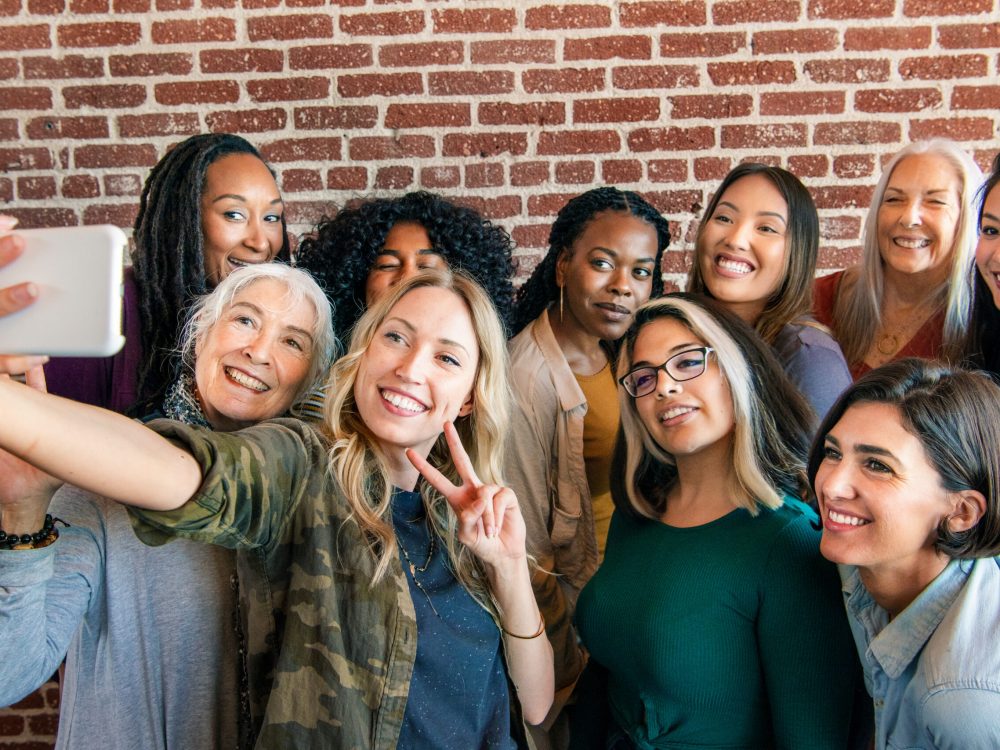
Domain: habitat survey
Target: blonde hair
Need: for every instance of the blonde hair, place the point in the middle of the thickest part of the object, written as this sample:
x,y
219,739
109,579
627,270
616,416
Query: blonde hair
x,y
857,312
360,466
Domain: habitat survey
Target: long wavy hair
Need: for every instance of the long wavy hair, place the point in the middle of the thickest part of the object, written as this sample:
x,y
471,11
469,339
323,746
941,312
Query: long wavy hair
x,y
984,334
857,311
359,464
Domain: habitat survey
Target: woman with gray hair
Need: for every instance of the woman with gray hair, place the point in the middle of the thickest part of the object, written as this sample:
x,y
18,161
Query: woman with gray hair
x,y
151,634
911,295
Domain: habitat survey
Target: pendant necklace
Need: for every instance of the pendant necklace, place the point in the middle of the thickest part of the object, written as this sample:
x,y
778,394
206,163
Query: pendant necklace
x,y
414,569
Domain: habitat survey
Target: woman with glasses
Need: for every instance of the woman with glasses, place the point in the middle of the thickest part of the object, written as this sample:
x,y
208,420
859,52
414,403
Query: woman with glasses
x,y
716,618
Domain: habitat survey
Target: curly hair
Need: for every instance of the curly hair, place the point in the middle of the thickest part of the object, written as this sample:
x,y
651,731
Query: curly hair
x,y
168,258
540,290
342,250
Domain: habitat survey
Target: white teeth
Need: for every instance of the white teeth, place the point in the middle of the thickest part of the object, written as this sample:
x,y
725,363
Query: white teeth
x,y
736,266
246,380
913,243
234,262
402,402
846,520
675,412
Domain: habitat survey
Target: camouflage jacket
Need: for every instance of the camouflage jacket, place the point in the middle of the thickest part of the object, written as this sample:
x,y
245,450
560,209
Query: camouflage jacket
x,y
329,655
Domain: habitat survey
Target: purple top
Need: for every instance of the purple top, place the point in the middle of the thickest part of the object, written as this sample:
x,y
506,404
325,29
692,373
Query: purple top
x,y
814,363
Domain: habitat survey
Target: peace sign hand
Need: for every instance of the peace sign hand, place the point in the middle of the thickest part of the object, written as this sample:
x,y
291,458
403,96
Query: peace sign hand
x,y
489,520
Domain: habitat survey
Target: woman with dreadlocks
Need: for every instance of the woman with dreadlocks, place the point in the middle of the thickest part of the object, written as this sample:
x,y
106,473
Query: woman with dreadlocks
x,y
209,205
603,262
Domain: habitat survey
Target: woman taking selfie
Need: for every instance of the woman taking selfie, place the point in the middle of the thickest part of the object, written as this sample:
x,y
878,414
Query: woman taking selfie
x,y
907,473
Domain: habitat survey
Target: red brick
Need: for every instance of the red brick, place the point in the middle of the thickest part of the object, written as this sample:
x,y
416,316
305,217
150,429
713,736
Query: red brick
x,y
335,118
621,109
575,172
836,196
711,106
11,725
396,177
535,235
115,96
711,44
305,212
436,178
143,6
44,7
762,11
422,54
330,57
776,135
428,115
618,171
567,17
121,215
78,128
667,170
772,160
578,142
122,184
173,123
802,103
954,128
470,83
347,178
380,84
36,218
289,89
169,5
9,128
608,48
80,186
257,4
564,80
866,39
36,188
840,228
853,166
25,37
241,61
671,139
71,66
912,8
483,175
976,97
485,145
108,34
655,77
529,173
291,26
127,66
711,167
850,8
371,148
751,73
897,100
663,13
303,149
6,190
26,97
474,21
527,113
197,92
501,207
674,201
851,133
797,40
251,121
836,258
383,24
9,68
944,67
188,32
498,52
83,7
300,180
847,71
547,204
969,36
808,165
119,155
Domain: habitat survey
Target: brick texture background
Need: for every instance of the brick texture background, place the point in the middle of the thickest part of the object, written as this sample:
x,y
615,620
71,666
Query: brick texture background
x,y
512,107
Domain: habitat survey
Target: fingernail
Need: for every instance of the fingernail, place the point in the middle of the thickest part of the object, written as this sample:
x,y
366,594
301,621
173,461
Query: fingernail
x,y
7,222
26,293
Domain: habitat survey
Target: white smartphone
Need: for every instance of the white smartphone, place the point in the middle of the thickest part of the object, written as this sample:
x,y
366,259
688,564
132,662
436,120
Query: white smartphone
x,y
78,272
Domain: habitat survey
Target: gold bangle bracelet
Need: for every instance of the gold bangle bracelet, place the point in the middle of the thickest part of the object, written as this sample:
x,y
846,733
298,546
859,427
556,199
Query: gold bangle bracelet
x,y
541,629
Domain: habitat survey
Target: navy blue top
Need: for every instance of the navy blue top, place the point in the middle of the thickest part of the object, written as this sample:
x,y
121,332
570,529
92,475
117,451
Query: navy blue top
x,y
459,694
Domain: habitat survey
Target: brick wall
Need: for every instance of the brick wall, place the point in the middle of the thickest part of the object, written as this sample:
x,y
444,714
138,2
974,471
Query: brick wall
x,y
511,106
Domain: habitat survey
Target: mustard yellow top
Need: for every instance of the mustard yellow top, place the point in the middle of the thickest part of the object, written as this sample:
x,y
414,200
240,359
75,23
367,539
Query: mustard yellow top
x,y
600,426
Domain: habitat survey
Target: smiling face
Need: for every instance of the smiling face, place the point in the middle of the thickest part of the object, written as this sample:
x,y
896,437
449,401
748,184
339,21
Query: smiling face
x,y
419,370
607,274
919,214
988,249
683,418
406,251
741,246
253,362
241,213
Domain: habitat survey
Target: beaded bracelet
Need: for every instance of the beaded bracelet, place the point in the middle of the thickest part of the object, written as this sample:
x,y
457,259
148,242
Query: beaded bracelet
x,y
48,534
541,629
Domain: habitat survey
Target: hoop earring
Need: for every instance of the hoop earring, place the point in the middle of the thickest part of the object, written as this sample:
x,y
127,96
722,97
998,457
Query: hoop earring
x,y
561,303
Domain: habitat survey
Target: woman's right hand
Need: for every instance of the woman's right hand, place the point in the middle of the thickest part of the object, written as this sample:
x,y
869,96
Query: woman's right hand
x,y
14,298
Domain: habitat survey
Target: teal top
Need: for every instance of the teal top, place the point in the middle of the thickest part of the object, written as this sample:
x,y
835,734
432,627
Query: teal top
x,y
726,635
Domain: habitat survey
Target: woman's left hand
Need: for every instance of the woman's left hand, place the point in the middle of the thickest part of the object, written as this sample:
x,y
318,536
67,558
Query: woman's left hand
x,y
489,519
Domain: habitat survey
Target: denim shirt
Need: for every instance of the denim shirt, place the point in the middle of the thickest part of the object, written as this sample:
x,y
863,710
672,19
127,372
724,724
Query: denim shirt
x,y
934,670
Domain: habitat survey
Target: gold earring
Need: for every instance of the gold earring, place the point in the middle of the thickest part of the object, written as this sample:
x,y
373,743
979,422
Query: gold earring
x,y
561,303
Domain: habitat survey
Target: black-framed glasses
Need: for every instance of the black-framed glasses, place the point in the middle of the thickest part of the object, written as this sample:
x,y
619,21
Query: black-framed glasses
x,y
685,365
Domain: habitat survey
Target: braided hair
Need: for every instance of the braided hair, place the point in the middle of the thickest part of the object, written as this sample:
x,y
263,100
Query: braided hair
x,y
540,290
342,250
167,256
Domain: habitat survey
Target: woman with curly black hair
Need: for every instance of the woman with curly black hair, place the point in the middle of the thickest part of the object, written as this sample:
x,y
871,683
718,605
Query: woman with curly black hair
x,y
209,205
373,245
603,262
